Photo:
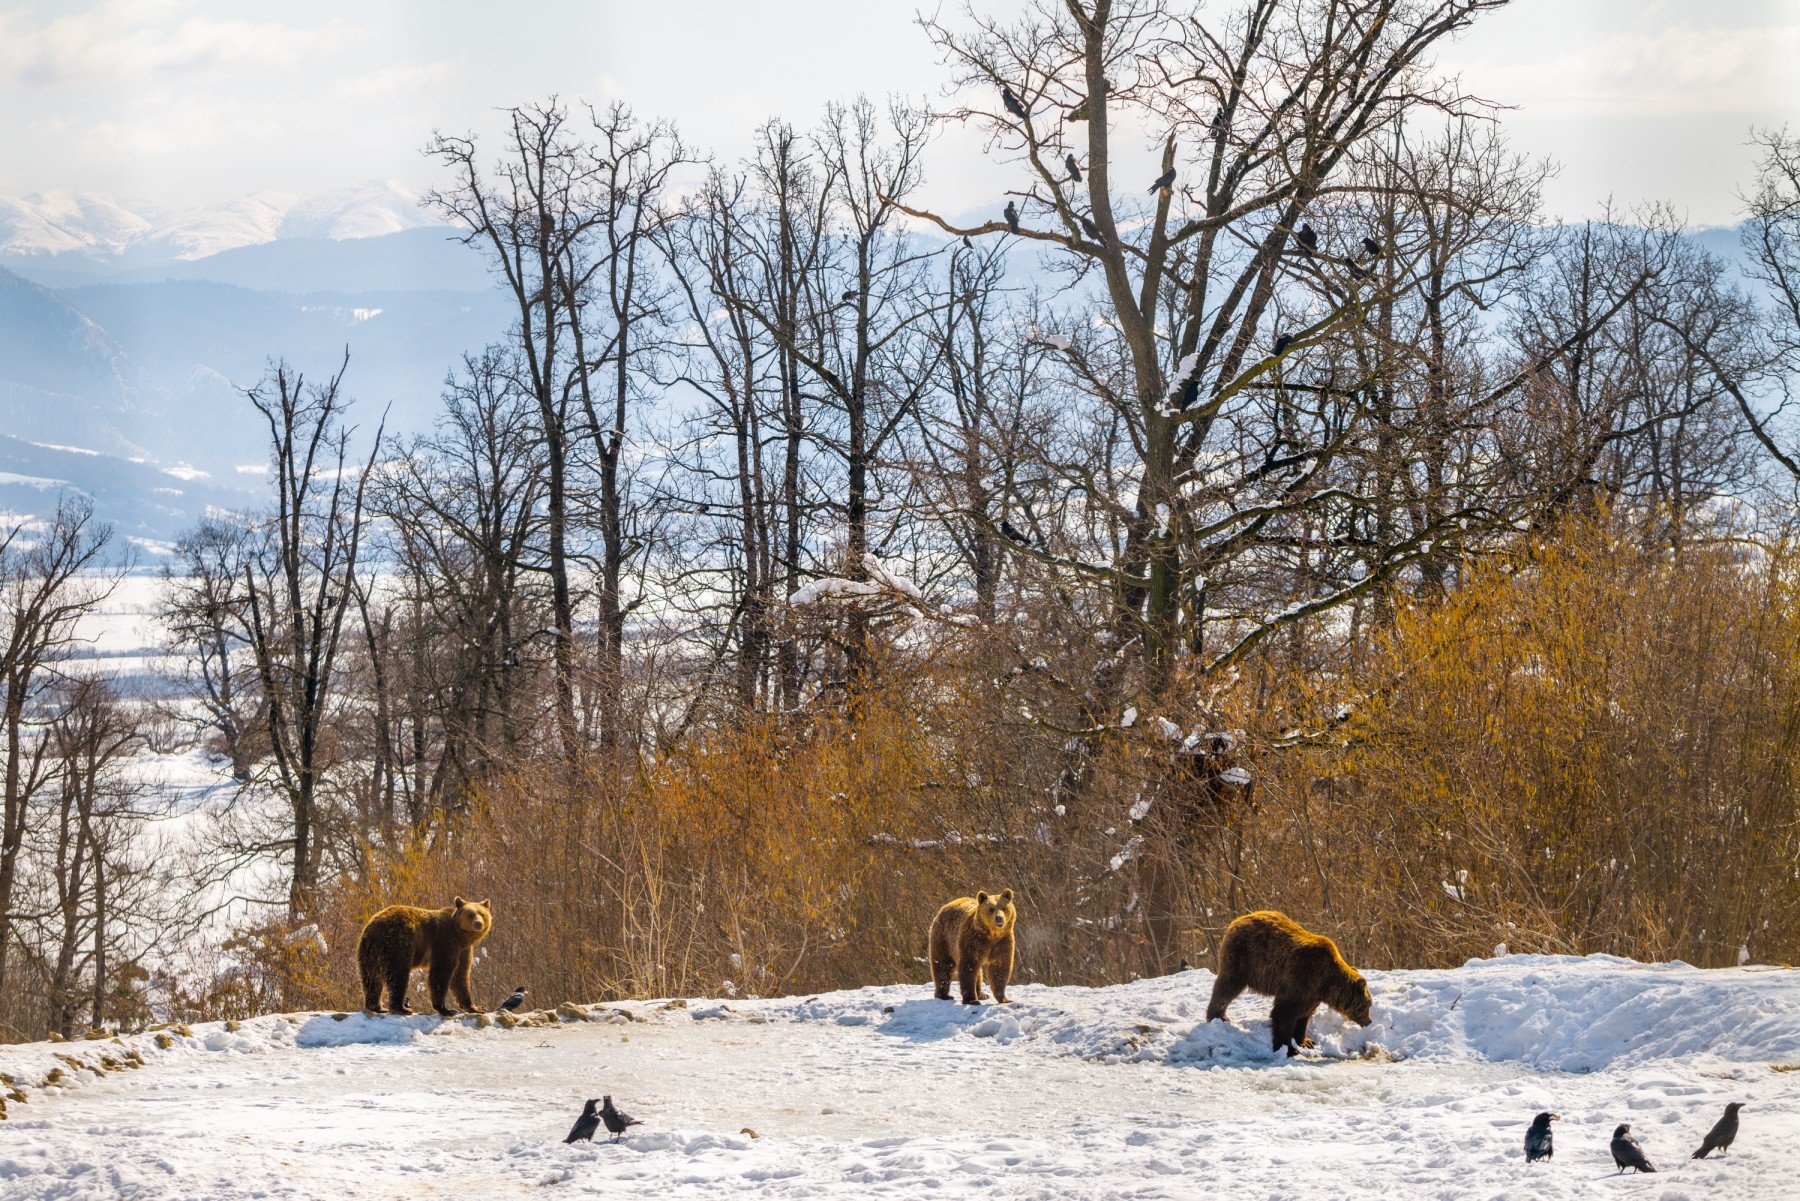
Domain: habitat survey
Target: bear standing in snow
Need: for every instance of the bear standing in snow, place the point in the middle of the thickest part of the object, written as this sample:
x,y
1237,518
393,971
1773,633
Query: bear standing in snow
x,y
403,937
972,937
1270,953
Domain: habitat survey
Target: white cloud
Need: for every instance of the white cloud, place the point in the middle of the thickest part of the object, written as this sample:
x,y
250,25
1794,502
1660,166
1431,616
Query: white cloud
x,y
123,41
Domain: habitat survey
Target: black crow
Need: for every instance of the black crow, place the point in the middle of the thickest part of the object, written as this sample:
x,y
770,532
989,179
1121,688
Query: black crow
x,y
1011,533
1537,1139
1626,1152
967,245
1282,342
1012,103
1163,181
1074,168
616,1120
517,999
1359,272
1307,237
1371,246
1218,123
1092,230
585,1125
847,297
1723,1133
1012,217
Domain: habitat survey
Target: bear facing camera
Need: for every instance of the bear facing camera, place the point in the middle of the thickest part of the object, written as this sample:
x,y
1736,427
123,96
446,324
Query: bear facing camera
x,y
972,939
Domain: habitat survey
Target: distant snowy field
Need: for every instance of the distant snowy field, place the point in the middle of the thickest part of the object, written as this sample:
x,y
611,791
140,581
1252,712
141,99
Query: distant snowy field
x,y
1068,1092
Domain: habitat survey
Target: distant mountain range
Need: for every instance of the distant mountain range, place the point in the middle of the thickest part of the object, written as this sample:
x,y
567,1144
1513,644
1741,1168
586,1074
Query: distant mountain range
x,y
64,222
128,334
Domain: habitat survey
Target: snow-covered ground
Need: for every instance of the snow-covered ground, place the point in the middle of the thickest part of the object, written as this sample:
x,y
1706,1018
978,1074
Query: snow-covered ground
x,y
1067,1092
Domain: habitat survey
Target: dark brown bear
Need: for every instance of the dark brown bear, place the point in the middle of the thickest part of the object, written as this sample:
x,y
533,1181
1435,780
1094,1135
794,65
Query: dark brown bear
x,y
972,937
403,937
1270,953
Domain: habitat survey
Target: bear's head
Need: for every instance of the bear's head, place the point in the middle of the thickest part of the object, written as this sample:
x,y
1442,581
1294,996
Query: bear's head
x,y
1354,1001
473,918
995,912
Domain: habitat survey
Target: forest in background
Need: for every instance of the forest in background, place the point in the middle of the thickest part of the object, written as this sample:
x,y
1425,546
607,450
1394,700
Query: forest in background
x,y
1312,525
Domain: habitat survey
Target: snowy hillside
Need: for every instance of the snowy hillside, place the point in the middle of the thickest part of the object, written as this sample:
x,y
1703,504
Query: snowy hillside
x,y
1068,1092
64,221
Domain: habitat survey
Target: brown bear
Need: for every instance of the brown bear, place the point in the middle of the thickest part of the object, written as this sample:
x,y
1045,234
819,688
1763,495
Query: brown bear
x,y
972,937
1272,954
403,937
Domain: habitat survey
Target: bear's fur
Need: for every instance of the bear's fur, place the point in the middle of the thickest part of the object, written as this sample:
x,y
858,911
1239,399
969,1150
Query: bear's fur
x,y
1270,953
972,937
403,937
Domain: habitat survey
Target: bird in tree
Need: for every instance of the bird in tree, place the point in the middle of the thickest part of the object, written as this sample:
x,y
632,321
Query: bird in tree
x,y
1074,168
1372,247
1092,230
1012,534
1164,182
1626,1152
967,245
585,1125
1012,103
1012,217
1723,1133
1358,271
1537,1139
848,296
1282,342
1218,124
617,1120
1307,238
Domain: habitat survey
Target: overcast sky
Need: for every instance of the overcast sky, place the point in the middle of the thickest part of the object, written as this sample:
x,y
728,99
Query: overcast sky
x,y
195,101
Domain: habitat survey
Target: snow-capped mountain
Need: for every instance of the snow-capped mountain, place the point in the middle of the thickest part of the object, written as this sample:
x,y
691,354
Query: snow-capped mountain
x,y
86,223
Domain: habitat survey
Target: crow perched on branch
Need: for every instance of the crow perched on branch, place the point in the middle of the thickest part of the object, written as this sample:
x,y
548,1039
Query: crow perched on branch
x,y
1074,168
1372,247
1537,1139
1282,342
1308,240
1012,217
1164,181
1723,1133
1626,1152
1092,230
1012,103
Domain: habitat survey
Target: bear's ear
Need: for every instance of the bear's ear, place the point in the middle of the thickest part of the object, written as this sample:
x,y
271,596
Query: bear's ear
x,y
458,902
1006,896
488,904
981,898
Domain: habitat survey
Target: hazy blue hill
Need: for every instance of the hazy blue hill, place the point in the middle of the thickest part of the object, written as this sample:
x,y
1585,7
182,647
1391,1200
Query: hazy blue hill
x,y
412,260
140,499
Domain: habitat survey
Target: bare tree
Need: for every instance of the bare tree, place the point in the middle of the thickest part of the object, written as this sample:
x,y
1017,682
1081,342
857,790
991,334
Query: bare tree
x,y
298,582
203,609
51,576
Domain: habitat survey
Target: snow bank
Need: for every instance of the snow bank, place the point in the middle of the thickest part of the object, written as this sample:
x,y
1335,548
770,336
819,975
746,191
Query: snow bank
x,y
1548,1013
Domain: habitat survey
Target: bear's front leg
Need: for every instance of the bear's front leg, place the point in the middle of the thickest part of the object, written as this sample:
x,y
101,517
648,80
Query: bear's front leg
x,y
459,981
999,972
968,979
439,979
1300,1039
